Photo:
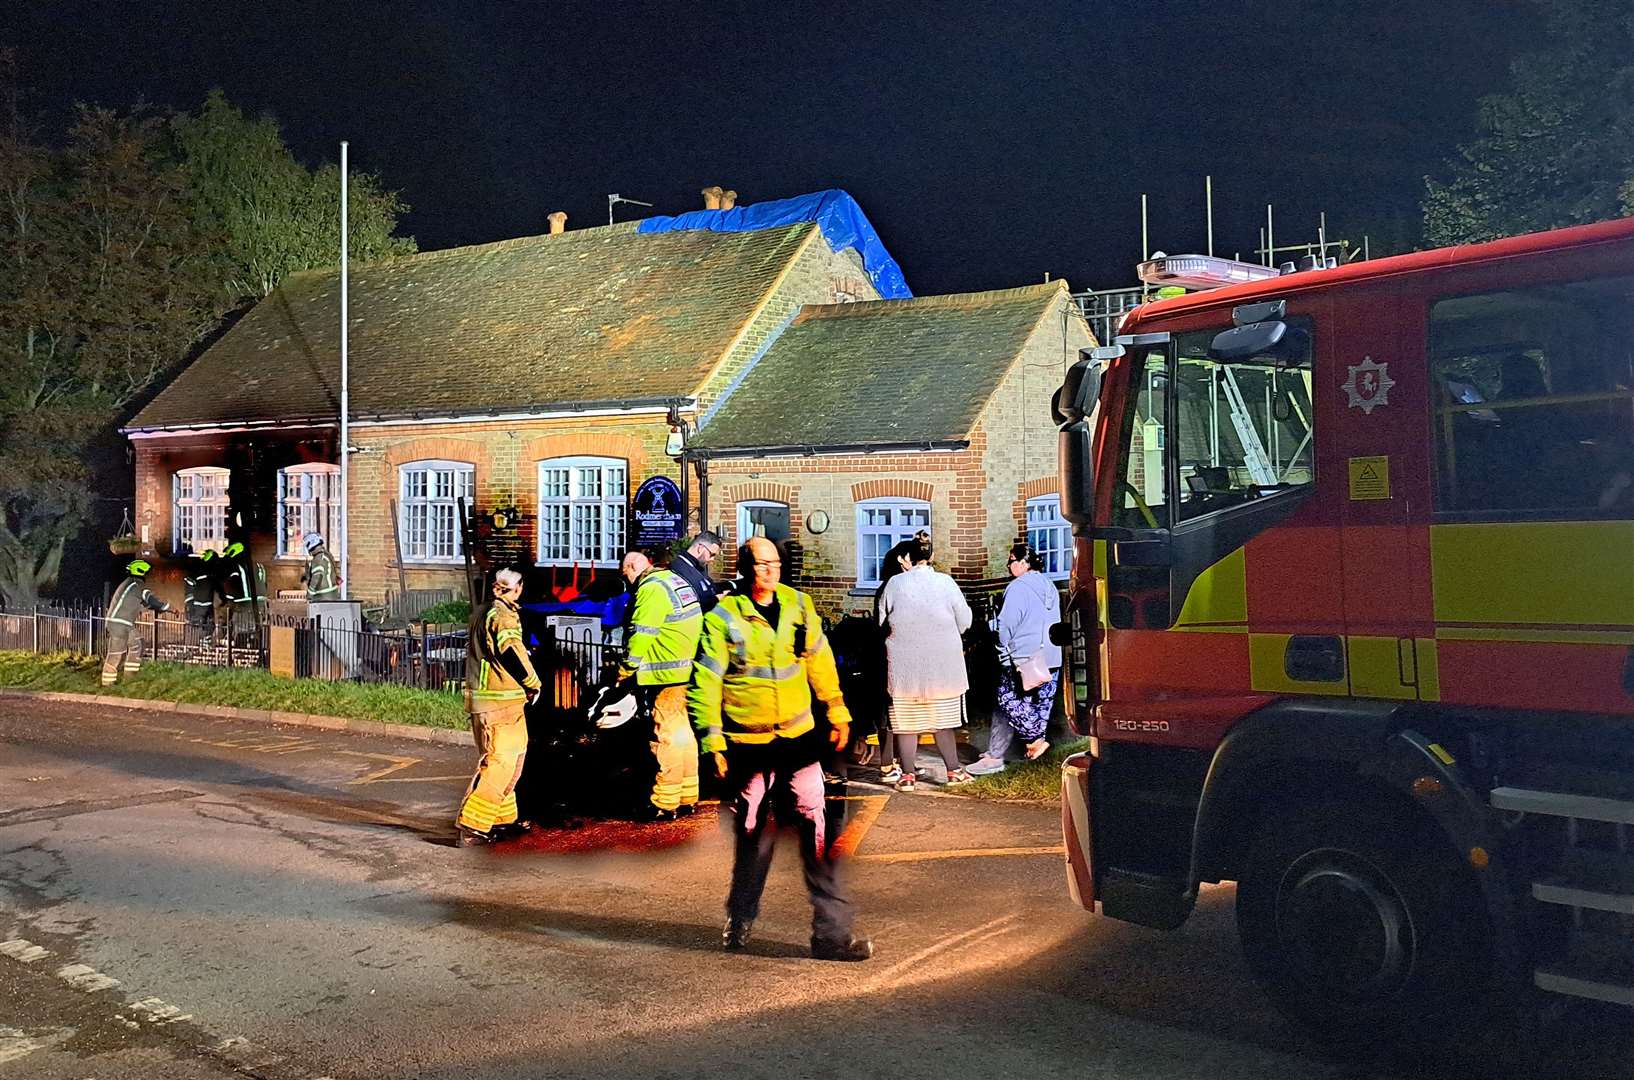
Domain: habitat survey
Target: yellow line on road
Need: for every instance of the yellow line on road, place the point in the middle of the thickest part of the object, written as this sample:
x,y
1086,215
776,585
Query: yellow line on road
x,y
412,779
397,763
968,853
851,837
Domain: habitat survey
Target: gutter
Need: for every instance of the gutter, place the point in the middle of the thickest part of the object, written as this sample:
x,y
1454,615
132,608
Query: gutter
x,y
608,407
922,446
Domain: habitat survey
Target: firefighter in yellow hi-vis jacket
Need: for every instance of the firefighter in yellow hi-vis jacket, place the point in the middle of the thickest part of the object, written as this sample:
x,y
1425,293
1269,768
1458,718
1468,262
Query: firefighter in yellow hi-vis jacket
x,y
665,621
499,684
122,644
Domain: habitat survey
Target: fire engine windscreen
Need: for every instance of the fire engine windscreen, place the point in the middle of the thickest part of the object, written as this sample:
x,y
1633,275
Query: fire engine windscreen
x,y
1234,430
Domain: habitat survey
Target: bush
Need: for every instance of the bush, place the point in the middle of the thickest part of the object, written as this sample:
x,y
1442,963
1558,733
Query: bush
x,y
449,611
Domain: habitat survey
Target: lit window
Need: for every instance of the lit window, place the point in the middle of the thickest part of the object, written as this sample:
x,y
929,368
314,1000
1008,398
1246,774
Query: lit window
x,y
1050,535
199,509
881,525
582,511
763,517
428,509
308,501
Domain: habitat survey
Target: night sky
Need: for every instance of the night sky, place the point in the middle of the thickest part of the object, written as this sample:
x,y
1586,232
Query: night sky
x,y
990,144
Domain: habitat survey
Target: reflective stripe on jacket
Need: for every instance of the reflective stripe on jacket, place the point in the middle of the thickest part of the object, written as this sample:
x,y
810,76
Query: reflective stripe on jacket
x,y
129,600
753,682
320,576
664,629
496,630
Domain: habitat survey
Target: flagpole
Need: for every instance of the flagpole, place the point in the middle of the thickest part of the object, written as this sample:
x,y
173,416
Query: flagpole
x,y
345,386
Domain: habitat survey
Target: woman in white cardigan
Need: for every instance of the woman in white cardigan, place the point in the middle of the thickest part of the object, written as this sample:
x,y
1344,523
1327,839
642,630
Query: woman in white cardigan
x,y
924,614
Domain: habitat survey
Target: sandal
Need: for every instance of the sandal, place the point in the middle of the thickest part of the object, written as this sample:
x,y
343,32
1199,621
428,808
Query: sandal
x,y
906,782
1036,750
959,776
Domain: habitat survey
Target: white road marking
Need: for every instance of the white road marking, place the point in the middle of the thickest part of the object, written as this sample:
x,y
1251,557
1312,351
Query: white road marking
x,y
83,977
25,951
16,1045
155,1011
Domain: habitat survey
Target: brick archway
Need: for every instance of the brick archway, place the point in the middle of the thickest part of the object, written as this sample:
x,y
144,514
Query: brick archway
x,y
892,487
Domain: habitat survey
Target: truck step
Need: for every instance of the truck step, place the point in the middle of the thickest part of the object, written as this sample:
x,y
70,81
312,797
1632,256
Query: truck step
x,y
1563,805
1601,880
1599,967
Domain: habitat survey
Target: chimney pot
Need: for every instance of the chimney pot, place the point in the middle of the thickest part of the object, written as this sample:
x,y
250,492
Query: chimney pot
x,y
729,199
712,197
558,222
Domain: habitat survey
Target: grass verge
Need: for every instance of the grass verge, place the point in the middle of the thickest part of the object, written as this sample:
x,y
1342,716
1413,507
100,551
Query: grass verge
x,y
1031,781
73,673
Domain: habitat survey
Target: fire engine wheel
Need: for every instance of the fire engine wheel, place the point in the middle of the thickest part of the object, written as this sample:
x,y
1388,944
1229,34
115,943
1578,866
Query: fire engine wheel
x,y
1364,927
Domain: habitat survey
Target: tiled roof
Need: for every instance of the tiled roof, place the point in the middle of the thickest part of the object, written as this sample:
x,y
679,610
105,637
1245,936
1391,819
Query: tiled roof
x,y
587,316
881,371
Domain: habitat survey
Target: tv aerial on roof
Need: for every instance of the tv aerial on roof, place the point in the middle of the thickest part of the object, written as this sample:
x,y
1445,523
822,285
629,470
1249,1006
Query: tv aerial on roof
x,y
615,198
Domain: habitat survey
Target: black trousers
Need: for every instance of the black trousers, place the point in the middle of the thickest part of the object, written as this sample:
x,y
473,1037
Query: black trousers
x,y
784,785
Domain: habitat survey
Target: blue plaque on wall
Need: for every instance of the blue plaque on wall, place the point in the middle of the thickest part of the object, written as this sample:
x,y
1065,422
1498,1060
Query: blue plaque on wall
x,y
659,516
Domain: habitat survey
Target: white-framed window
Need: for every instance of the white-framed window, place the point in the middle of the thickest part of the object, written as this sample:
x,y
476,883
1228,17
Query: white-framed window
x,y
763,517
1050,534
308,501
583,502
881,525
198,504
428,509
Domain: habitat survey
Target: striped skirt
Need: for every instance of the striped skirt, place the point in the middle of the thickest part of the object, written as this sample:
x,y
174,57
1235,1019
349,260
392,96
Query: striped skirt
x,y
911,717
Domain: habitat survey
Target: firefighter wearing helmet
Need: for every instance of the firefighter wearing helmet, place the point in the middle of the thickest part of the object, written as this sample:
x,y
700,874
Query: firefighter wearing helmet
x,y
499,684
244,583
321,580
122,645
202,590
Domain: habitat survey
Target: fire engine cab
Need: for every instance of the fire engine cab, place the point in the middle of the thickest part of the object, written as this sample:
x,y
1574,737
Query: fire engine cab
x,y
1351,624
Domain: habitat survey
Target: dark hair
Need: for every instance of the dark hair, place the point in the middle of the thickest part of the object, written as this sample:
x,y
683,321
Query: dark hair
x,y
1026,551
918,550
708,536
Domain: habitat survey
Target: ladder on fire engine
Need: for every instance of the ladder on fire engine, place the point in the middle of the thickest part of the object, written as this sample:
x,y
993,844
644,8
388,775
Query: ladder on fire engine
x,y
1595,883
1254,456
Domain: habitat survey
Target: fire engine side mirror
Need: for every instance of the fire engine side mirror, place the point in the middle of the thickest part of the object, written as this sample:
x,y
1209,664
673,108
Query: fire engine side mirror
x,y
1077,395
1077,472
1244,342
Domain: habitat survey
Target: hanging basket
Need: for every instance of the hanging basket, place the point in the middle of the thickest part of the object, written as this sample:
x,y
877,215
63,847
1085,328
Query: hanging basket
x,y
125,545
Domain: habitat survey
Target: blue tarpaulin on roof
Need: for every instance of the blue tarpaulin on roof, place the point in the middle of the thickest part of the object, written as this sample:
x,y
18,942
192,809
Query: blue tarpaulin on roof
x,y
837,214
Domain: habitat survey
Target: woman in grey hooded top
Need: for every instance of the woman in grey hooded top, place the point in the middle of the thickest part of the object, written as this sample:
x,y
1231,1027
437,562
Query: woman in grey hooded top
x,y
1031,606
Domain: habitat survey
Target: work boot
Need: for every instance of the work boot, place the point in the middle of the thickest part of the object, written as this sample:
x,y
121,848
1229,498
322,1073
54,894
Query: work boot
x,y
511,830
465,837
686,809
654,814
735,938
852,948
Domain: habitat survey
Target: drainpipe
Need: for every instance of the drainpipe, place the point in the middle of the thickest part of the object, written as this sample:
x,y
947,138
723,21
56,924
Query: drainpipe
x,y
701,463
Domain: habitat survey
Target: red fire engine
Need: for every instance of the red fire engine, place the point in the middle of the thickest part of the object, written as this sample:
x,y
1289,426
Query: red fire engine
x,y
1352,624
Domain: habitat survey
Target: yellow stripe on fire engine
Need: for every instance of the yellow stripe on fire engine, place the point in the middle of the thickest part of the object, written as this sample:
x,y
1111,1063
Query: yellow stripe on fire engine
x,y
1219,596
1388,667
1267,669
1550,573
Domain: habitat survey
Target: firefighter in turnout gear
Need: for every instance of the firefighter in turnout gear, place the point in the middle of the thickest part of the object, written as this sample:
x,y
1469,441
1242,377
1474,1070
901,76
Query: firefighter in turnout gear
x,y
499,684
201,594
762,657
664,625
244,584
123,645
321,579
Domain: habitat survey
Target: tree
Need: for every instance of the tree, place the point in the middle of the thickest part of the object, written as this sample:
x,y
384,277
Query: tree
x,y
1557,148
104,286
270,214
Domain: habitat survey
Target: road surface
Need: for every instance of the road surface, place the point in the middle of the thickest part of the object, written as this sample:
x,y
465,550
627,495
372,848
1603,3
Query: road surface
x,y
196,897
